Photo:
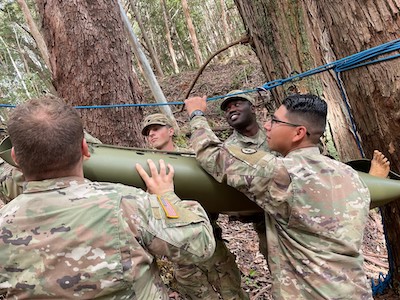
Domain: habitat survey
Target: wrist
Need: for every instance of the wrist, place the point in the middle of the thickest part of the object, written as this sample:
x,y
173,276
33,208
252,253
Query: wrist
x,y
195,113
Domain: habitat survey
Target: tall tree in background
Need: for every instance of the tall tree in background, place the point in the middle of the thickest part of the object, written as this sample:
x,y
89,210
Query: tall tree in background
x,y
168,36
192,33
91,64
22,72
295,36
150,48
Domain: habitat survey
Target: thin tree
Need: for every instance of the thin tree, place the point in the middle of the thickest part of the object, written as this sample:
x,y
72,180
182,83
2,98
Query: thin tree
x,y
225,25
192,33
35,33
150,48
168,37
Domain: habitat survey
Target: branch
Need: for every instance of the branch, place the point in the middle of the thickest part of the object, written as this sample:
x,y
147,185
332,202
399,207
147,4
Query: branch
x,y
243,40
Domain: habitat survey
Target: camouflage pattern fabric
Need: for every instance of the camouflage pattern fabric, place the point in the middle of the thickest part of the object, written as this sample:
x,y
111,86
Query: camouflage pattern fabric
x,y
258,141
11,182
217,275
316,211
76,239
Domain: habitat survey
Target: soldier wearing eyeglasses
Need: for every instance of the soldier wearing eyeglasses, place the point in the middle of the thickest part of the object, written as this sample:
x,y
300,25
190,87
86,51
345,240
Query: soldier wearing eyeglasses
x,y
316,208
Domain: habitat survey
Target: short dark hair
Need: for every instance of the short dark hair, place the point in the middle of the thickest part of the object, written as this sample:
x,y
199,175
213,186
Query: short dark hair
x,y
46,134
309,110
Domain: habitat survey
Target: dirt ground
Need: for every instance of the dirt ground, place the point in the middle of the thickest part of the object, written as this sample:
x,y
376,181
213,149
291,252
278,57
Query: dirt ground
x,y
218,79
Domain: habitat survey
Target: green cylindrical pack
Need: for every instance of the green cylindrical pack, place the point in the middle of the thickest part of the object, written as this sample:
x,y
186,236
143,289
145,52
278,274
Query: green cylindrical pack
x,y
117,164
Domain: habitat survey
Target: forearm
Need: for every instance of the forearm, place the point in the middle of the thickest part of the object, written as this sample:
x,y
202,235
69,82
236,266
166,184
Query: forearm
x,y
177,229
208,148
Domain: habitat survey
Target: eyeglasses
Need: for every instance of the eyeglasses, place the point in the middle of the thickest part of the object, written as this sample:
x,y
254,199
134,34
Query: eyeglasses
x,y
271,119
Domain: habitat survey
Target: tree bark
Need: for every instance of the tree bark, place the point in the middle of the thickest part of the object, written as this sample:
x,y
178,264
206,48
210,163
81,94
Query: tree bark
x,y
152,52
168,37
91,62
295,36
192,33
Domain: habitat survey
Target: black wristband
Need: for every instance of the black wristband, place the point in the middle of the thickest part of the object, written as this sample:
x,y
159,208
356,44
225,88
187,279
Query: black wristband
x,y
195,113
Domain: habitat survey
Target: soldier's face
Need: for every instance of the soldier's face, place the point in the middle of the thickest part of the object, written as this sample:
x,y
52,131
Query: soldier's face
x,y
239,113
159,136
280,131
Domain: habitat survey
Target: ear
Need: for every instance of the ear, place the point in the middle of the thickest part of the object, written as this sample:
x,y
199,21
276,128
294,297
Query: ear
x,y
300,133
13,156
171,131
252,108
85,149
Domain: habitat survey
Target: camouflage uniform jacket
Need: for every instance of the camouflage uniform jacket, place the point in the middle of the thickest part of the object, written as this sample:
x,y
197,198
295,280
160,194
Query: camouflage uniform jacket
x,y
70,238
316,211
11,182
258,141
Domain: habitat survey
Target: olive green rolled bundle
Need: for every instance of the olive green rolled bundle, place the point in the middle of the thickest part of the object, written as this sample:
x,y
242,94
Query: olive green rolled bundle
x,y
117,164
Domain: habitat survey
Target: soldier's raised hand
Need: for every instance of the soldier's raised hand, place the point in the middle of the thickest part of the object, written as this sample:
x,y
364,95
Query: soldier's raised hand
x,y
158,182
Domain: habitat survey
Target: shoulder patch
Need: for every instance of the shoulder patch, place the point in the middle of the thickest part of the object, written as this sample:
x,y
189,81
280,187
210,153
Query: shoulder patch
x,y
250,157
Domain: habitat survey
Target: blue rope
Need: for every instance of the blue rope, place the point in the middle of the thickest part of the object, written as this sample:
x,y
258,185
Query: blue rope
x,y
352,121
384,282
344,64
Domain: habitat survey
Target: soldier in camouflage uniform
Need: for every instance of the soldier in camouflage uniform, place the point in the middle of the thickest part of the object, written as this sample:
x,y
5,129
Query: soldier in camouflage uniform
x,y
12,180
316,208
217,275
68,237
248,133
159,132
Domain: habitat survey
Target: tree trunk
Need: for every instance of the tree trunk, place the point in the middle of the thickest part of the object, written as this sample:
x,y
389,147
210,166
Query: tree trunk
x,y
180,44
150,47
295,36
91,62
192,33
168,37
225,25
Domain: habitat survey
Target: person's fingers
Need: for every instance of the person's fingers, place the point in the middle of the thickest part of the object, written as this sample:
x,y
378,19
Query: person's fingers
x,y
153,168
142,173
376,154
171,172
163,170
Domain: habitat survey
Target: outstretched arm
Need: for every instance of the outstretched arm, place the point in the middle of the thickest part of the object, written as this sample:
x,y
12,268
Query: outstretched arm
x,y
177,229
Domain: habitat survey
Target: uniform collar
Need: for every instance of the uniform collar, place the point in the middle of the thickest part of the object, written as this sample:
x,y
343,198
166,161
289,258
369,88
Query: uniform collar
x,y
258,139
53,184
307,151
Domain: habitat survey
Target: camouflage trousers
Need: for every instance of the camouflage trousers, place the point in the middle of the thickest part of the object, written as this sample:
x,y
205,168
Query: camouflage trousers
x,y
218,275
261,230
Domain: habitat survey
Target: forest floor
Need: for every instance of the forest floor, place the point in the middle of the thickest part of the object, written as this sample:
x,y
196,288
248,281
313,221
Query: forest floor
x,y
220,77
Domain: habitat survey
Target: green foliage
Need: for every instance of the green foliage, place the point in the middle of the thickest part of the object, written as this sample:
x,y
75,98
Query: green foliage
x,y
181,141
206,17
22,72
250,279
